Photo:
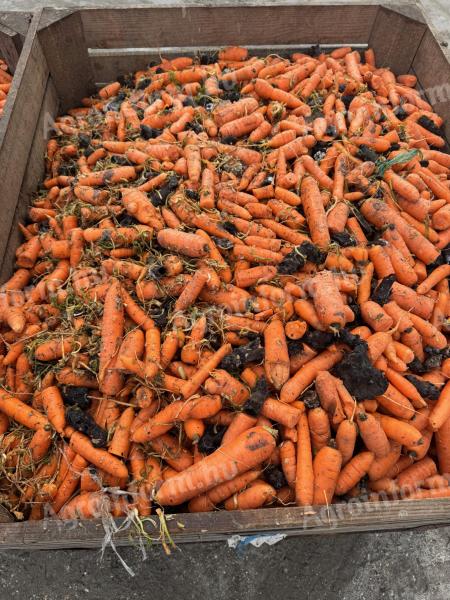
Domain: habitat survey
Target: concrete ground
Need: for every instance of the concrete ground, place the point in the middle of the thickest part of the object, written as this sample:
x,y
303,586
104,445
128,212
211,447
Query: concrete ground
x,y
410,565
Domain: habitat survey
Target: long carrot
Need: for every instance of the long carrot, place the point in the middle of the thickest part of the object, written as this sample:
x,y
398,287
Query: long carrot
x,y
326,466
245,452
304,482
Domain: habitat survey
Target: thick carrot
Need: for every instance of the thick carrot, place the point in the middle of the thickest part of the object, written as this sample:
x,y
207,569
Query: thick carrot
x,y
69,483
188,244
326,466
319,427
120,443
256,495
327,300
82,445
276,361
53,405
372,434
346,436
415,475
353,472
219,493
306,375
111,337
245,452
400,432
22,413
440,413
314,212
304,482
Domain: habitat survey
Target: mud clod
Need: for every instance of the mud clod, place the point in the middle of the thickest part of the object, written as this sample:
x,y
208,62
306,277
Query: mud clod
x,y
242,355
425,388
211,439
360,377
84,423
382,292
259,394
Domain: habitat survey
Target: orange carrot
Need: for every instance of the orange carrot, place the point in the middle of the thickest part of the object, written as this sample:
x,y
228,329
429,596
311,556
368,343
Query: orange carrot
x,y
304,482
353,471
245,452
326,466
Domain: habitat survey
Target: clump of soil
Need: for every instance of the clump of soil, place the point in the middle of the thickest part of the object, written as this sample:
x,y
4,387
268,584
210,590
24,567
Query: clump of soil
x,y
360,377
382,292
211,439
259,394
425,388
84,423
297,259
242,355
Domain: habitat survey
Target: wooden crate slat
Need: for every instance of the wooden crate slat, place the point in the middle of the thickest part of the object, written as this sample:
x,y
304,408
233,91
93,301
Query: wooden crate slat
x,y
33,176
10,46
17,21
395,39
190,26
432,68
219,526
18,125
13,28
67,57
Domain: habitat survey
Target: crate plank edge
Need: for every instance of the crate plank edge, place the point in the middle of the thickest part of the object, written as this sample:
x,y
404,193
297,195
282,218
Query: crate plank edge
x,y
221,525
13,29
94,44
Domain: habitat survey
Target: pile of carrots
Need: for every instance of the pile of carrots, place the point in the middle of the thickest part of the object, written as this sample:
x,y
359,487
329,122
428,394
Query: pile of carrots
x,y
5,84
232,293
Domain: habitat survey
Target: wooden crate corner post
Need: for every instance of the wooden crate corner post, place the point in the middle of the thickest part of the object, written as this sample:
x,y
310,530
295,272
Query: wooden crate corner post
x,y
62,39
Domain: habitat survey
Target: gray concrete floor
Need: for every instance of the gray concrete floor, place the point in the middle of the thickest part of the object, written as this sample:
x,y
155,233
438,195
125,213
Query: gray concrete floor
x,y
410,565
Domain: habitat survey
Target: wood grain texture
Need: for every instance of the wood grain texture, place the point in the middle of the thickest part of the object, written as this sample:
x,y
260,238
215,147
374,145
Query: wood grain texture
x,y
189,26
219,526
432,68
10,46
395,39
18,125
67,58
33,176
18,21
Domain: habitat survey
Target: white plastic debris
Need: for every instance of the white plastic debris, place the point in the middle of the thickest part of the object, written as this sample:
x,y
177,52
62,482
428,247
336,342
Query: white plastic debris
x,y
236,541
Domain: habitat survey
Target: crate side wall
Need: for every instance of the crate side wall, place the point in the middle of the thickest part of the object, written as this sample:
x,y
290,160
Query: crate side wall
x,y
17,128
191,26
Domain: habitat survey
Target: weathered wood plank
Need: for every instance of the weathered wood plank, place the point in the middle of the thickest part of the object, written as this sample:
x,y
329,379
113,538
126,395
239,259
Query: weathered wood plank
x,y
218,526
190,26
33,176
432,68
18,21
395,39
10,46
67,57
18,125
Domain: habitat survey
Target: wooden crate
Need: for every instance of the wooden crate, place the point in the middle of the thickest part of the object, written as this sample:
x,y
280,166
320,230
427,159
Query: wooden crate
x,y
66,53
